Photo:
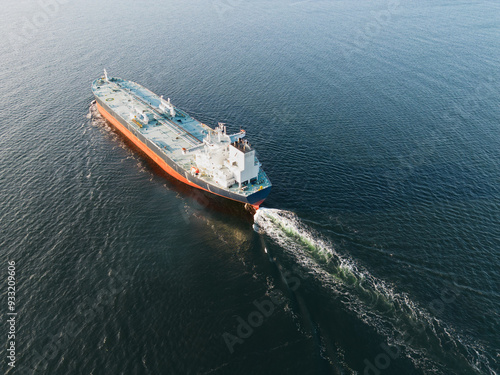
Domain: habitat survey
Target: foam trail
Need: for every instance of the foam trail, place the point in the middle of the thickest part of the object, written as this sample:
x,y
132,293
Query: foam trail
x,y
319,256
393,314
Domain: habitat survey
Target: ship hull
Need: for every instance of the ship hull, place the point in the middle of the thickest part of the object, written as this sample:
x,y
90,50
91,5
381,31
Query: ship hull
x,y
170,166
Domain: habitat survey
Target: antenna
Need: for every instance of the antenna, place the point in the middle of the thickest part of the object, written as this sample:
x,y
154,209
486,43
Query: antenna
x,y
222,127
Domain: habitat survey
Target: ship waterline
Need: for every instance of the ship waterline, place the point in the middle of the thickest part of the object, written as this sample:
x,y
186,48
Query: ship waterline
x,y
190,151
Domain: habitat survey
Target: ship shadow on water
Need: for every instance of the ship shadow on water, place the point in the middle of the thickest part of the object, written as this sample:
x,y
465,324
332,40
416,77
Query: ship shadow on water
x,y
201,200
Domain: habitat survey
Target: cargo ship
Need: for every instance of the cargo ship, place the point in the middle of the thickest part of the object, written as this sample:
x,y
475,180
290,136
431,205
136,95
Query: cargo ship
x,y
194,153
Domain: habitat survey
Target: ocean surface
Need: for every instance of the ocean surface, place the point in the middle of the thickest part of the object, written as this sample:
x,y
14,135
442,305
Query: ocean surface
x,y
377,251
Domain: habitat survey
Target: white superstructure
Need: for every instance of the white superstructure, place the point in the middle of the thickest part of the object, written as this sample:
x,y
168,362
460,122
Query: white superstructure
x,y
228,159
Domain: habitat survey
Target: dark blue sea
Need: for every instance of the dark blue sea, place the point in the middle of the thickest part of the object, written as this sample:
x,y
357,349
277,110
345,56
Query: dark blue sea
x,y
377,251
